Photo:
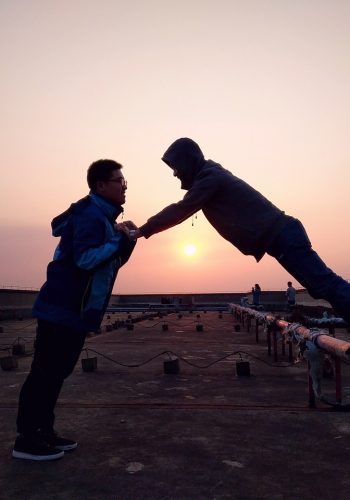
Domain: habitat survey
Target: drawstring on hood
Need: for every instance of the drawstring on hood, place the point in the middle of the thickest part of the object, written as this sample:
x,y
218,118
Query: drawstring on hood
x,y
185,156
194,216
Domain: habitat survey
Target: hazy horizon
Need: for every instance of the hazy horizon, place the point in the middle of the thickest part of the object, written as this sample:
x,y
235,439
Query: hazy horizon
x,y
262,86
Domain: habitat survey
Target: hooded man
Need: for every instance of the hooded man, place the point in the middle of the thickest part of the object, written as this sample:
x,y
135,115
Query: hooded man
x,y
72,303
244,217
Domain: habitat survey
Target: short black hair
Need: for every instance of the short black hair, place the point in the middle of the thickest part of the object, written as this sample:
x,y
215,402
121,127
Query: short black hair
x,y
101,170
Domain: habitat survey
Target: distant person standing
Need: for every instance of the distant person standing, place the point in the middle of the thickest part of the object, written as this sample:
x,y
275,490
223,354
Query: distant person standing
x,y
290,294
256,291
247,219
71,303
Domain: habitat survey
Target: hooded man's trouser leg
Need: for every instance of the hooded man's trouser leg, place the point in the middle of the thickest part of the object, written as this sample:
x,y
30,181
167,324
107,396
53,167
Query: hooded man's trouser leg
x,y
292,249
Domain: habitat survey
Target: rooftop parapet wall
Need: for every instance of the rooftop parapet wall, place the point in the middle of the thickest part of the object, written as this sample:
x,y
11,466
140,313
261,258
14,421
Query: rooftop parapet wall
x,y
26,298
279,297
16,301
17,298
16,304
177,298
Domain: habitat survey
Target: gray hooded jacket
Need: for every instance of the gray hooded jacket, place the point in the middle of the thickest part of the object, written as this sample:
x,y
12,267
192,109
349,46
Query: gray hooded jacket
x,y
237,211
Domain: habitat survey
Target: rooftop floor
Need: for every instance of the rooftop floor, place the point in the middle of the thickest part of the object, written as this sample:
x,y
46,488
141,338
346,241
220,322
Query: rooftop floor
x,y
204,433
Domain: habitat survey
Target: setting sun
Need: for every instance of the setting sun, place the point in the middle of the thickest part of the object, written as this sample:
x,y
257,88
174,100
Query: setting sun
x,y
190,250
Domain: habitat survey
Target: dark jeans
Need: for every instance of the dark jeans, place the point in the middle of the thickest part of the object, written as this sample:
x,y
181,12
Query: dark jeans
x,y
292,249
57,351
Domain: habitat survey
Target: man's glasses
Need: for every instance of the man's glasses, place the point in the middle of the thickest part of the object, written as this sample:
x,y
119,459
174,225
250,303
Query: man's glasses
x,y
120,181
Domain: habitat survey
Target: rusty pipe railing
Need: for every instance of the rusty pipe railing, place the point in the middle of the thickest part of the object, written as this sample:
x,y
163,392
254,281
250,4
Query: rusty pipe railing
x,y
339,350
336,347
321,338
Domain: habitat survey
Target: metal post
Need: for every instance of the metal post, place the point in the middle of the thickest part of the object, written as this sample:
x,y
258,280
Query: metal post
x,y
257,330
290,351
338,381
274,336
312,402
249,322
268,340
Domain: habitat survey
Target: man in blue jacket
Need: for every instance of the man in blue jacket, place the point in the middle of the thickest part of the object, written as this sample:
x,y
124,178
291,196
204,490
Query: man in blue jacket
x,y
244,217
72,303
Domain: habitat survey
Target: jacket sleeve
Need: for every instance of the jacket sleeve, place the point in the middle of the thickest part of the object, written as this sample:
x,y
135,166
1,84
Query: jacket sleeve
x,y
204,187
90,247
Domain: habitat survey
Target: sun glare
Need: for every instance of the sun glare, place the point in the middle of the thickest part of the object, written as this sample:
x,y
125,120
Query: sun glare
x,y
190,250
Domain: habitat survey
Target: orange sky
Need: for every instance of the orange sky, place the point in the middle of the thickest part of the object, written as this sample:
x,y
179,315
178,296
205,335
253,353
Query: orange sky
x,y
262,86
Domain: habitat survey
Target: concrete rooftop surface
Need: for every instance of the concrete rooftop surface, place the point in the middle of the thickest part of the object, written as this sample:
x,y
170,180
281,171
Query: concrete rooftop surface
x,y
202,433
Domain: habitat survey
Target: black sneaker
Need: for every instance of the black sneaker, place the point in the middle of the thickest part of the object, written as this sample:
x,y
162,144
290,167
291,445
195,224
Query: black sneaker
x,y
57,442
34,448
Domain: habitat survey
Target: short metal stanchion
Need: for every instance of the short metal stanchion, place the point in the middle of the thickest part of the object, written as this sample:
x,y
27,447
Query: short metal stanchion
x,y
268,339
18,349
331,330
243,368
312,402
89,364
290,351
171,366
249,322
272,341
257,331
8,363
283,347
274,338
338,381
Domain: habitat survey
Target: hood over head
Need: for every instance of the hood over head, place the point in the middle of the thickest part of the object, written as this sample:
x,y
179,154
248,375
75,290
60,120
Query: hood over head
x,y
187,158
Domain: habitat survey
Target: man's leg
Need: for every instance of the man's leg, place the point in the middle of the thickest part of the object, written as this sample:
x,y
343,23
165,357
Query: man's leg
x,y
292,249
56,353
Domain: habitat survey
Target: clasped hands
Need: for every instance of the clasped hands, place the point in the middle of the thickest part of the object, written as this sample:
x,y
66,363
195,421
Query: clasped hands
x,y
128,228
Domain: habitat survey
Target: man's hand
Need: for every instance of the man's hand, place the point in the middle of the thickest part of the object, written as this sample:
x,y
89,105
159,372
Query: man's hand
x,y
129,228
122,226
134,234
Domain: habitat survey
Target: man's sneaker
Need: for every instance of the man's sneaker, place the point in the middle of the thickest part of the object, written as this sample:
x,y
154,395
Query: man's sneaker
x,y
34,448
57,442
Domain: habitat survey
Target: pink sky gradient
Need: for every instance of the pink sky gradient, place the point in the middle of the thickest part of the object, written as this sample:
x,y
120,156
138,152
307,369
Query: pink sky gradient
x,y
262,86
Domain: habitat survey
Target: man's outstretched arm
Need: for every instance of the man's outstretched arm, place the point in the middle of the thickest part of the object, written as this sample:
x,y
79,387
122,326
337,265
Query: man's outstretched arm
x,y
203,189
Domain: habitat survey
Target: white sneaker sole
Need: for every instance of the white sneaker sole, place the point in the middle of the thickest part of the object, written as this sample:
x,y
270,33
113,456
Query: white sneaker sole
x,y
39,458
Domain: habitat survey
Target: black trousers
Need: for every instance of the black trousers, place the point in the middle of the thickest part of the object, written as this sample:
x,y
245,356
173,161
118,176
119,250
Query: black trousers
x,y
57,350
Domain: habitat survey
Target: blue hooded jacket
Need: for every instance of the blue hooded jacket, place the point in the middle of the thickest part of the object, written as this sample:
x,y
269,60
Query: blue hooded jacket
x,y
81,276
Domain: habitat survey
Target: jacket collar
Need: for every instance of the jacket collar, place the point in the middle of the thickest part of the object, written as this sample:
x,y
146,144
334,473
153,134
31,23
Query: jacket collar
x,y
111,211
